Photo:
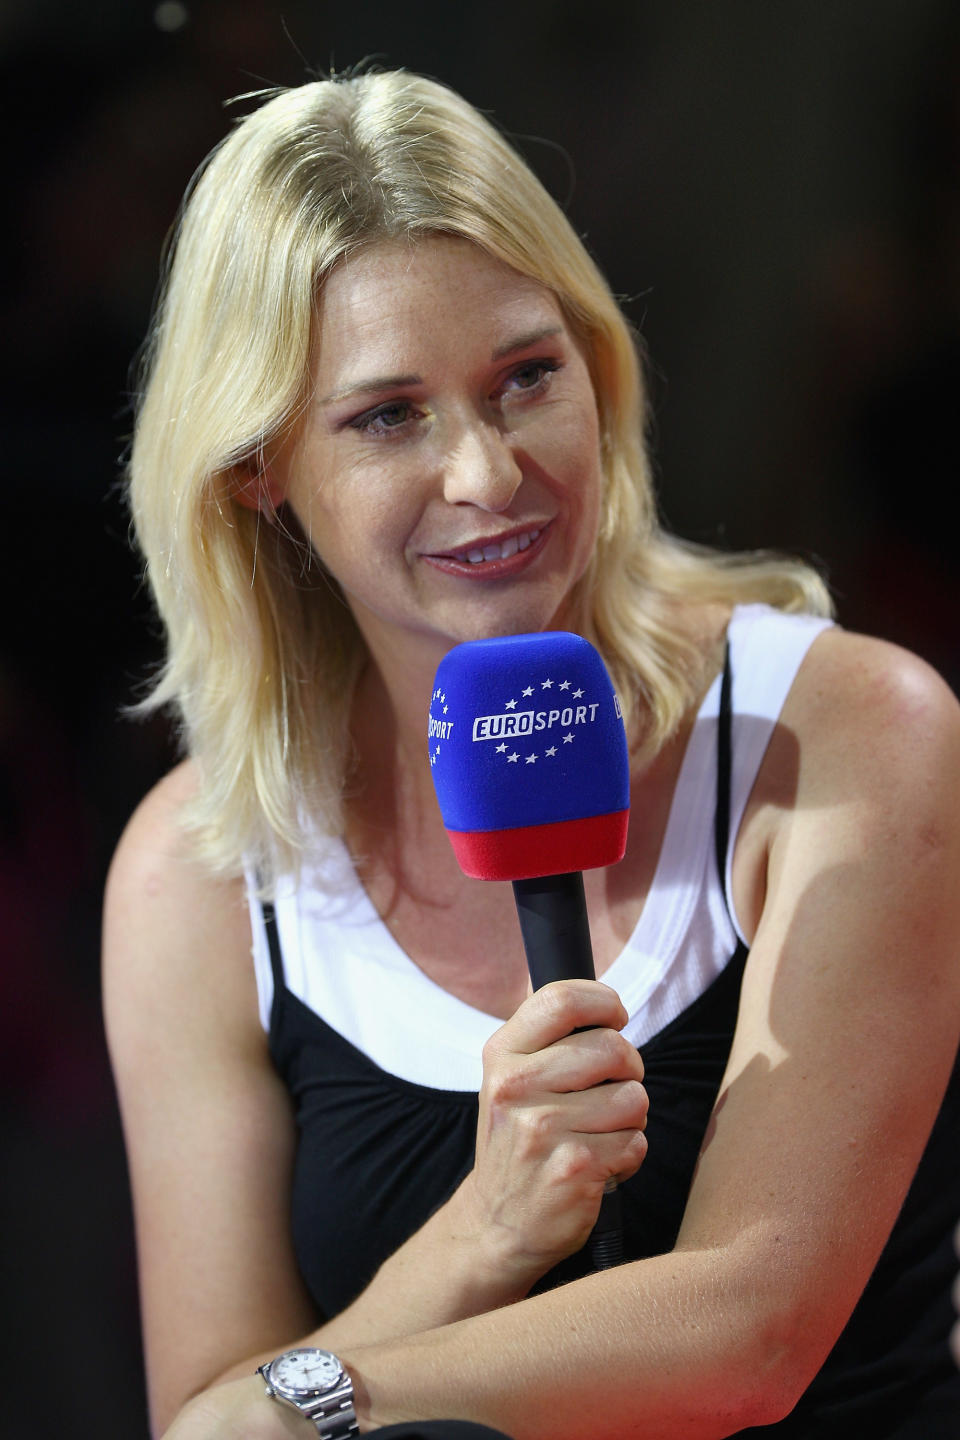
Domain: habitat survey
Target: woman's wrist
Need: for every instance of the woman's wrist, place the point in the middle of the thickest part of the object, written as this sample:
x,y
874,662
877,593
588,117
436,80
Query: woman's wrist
x,y
502,1270
380,1380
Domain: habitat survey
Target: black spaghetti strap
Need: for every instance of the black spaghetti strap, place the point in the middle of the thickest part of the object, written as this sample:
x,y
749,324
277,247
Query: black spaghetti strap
x,y
273,940
724,768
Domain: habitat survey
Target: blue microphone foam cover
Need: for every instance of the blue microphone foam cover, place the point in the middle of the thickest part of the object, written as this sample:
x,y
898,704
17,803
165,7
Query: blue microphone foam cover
x,y
529,756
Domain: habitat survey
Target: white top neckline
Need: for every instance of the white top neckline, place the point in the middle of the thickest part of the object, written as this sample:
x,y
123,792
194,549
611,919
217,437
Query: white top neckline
x,y
342,961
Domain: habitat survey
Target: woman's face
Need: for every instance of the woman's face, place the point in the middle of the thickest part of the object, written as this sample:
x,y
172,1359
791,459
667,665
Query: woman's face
x,y
448,470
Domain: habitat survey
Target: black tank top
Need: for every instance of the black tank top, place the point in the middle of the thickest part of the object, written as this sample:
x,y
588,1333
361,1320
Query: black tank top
x,y
377,1155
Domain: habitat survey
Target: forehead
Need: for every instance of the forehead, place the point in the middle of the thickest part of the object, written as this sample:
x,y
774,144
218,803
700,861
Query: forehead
x,y
427,295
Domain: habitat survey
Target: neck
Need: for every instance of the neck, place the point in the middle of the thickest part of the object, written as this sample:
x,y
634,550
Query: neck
x,y
393,694
391,797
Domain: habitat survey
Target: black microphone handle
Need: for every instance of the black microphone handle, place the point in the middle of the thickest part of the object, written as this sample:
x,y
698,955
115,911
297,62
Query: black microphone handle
x,y
552,911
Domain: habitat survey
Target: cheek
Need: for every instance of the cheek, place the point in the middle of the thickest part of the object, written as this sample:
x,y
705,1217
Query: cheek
x,y
577,449
356,526
587,487
588,531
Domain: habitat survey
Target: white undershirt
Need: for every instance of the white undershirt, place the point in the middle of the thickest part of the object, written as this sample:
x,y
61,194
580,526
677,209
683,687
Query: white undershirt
x,y
343,963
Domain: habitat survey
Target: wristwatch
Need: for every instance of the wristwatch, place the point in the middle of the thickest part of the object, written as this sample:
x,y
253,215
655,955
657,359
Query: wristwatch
x,y
315,1383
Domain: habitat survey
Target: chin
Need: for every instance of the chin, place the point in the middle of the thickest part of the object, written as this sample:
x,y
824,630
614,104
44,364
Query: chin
x,y
490,622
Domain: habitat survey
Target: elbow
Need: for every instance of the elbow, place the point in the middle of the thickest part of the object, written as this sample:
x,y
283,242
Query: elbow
x,y
767,1399
746,1399
782,1317
778,1363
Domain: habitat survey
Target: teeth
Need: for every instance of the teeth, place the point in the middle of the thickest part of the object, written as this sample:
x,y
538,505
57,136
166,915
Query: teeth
x,y
498,551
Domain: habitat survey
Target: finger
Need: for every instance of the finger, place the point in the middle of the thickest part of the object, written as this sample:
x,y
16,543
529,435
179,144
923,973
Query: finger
x,y
590,1161
577,1062
583,1062
589,1057
538,1130
558,1009
606,1110
580,1062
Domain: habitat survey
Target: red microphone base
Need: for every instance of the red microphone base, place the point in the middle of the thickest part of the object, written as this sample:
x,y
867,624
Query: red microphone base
x,y
532,850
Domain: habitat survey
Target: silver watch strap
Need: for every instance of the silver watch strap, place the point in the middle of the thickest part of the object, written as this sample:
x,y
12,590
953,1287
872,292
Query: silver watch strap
x,y
333,1414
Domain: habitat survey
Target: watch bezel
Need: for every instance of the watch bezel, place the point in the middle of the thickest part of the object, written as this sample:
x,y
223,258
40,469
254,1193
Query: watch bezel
x,y
302,1392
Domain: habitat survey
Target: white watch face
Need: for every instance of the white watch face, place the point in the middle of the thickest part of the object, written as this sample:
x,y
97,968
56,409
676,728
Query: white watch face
x,y
305,1370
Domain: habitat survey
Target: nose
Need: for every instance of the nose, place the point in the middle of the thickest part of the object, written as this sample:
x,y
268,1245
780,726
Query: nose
x,y
481,468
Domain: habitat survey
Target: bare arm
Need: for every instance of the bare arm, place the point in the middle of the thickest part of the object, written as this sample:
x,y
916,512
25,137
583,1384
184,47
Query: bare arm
x,y
207,1125
210,1138
848,1029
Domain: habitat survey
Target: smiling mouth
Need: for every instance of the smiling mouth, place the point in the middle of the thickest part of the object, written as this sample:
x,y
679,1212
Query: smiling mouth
x,y
494,549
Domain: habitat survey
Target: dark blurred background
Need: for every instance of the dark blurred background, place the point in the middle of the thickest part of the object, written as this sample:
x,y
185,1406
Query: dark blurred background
x,y
772,188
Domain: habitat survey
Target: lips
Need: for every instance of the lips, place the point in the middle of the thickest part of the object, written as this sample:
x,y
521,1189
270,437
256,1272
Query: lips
x,y
492,556
497,549
487,550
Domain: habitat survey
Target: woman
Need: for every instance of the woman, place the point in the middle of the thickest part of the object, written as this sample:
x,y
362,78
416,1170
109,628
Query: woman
x,y
389,406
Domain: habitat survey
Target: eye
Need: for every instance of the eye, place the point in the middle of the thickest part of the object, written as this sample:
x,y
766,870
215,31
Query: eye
x,y
532,375
384,418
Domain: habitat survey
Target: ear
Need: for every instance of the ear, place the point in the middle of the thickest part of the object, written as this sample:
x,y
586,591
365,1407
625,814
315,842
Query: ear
x,y
257,489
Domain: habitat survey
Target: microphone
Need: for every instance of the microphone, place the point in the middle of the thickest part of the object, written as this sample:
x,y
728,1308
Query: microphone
x,y
529,758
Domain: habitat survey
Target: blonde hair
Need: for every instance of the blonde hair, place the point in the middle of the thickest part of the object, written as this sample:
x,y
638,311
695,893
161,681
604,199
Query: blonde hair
x,y
262,650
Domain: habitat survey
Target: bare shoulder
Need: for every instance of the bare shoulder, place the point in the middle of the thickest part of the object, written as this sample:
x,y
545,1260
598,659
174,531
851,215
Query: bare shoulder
x,y
866,754
865,765
864,721
153,852
862,688
172,929
878,736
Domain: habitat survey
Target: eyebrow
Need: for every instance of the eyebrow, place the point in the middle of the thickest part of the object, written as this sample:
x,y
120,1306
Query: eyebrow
x,y
532,337
369,387
397,382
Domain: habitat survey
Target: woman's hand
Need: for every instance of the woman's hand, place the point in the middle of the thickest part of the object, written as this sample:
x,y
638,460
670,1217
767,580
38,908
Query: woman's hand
x,y
237,1410
561,1113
